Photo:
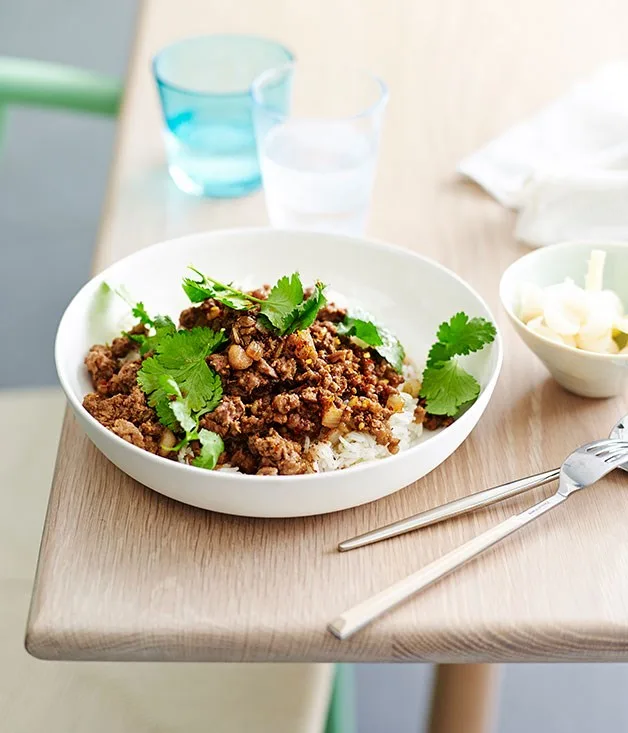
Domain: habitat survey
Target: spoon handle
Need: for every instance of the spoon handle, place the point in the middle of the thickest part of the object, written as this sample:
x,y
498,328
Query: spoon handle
x,y
359,616
451,509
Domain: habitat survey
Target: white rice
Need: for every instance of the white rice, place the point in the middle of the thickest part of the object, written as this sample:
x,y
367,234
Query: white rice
x,y
356,447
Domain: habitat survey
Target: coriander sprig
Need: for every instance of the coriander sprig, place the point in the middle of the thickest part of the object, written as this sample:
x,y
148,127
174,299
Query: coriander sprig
x,y
284,311
181,358
460,336
304,314
177,381
163,326
207,287
446,386
140,312
211,443
182,388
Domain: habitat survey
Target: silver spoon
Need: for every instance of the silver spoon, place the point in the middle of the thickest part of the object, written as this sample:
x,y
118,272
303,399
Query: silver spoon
x,y
468,503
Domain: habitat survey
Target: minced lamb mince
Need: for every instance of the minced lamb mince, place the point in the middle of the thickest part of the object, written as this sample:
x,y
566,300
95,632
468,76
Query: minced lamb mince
x,y
284,397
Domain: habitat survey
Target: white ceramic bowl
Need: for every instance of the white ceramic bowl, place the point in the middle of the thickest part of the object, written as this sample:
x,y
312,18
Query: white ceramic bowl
x,y
410,294
583,372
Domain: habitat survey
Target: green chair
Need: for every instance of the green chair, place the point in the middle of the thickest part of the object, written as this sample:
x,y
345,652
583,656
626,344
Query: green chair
x,y
37,83
26,82
341,714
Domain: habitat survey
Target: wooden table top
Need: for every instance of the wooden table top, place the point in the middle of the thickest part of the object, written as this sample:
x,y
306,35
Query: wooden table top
x,y
126,574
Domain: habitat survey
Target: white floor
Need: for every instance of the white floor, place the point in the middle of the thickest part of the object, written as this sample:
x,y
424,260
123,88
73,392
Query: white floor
x,y
52,178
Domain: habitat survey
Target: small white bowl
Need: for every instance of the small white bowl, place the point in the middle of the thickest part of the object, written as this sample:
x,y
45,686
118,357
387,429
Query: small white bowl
x,y
584,373
410,294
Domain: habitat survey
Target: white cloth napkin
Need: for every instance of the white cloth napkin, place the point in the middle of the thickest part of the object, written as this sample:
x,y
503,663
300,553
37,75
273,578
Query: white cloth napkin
x,y
560,207
565,169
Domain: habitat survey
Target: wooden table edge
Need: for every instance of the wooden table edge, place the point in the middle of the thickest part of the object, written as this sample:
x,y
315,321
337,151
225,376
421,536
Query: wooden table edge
x,y
569,644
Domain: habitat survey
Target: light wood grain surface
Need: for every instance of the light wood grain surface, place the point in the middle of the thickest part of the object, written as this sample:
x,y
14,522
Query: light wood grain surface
x,y
127,574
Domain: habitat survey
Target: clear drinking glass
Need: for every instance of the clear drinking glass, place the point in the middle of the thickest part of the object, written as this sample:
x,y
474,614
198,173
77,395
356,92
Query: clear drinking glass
x,y
204,85
318,131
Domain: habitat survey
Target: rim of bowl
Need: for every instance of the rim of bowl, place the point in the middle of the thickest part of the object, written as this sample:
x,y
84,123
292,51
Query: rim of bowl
x,y
294,63
244,92
95,282
538,253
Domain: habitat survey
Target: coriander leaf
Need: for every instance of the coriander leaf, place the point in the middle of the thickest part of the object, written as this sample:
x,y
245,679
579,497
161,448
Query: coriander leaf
x,y
188,346
196,291
165,415
164,327
139,338
447,387
282,300
211,443
438,353
361,326
179,405
391,349
182,357
199,290
232,300
181,410
364,330
149,378
263,321
179,368
305,313
460,336
211,448
169,386
139,311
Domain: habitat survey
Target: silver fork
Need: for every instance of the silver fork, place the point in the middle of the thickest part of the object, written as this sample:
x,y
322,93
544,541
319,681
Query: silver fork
x,y
465,504
583,467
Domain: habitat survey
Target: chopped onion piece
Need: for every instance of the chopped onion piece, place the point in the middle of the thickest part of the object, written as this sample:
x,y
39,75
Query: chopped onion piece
x,y
588,318
606,300
538,326
599,324
561,318
595,271
601,345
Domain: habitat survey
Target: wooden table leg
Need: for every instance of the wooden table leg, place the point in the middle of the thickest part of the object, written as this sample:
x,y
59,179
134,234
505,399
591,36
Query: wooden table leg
x,y
464,698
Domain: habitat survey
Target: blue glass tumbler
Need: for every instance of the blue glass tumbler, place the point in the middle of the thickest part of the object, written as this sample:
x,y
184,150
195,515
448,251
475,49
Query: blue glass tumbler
x,y
204,87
